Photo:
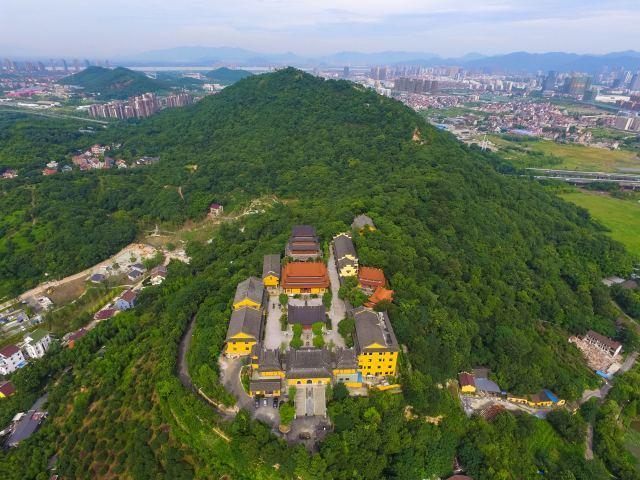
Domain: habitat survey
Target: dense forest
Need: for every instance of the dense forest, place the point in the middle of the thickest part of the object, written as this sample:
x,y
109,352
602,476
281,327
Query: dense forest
x,y
113,84
487,269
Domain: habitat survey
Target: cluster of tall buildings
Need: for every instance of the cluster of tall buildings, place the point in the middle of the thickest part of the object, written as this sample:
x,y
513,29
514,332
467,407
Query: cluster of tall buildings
x,y
142,106
415,85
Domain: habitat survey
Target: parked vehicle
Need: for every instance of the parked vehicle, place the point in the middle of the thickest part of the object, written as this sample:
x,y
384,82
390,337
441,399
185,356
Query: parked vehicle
x,y
265,402
304,435
275,402
257,402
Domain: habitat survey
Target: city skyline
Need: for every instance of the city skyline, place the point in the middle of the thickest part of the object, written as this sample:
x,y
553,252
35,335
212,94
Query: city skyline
x,y
123,29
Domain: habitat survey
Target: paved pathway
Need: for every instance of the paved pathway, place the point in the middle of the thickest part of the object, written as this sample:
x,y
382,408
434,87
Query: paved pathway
x,y
274,336
338,309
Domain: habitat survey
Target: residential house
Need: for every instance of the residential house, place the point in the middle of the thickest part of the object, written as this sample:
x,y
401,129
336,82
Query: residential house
x,y
308,366
245,330
271,272
75,336
381,295
303,243
97,278
370,278
37,343
158,274
11,359
362,223
467,383
250,293
305,277
6,389
605,344
375,343
487,387
49,171
105,314
215,209
344,254
306,315
127,300
134,274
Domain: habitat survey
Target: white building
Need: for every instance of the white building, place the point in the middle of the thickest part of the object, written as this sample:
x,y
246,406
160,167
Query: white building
x,y
11,359
37,343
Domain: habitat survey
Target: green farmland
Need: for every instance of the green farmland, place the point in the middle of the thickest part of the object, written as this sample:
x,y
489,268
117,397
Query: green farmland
x,y
621,217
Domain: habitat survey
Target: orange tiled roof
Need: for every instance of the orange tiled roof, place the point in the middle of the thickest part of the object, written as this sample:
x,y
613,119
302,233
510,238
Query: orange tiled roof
x,y
305,275
381,294
371,277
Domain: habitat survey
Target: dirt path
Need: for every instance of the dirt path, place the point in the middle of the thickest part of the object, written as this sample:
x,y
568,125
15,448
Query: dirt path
x,y
588,452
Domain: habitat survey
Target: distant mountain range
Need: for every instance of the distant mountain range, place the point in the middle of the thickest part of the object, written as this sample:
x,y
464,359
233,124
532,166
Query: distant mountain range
x,y
511,62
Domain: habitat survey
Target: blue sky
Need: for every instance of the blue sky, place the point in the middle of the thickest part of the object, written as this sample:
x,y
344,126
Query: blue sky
x,y
115,28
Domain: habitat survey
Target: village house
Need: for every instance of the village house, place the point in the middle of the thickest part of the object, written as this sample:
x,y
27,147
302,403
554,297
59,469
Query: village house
x,y
611,347
73,337
37,343
271,272
6,389
306,315
245,330
134,274
105,314
303,243
250,293
370,278
305,277
11,359
344,254
127,300
97,278
215,209
467,383
9,174
158,274
362,223
375,343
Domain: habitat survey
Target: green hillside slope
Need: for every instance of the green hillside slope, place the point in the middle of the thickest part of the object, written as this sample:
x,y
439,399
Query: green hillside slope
x,y
117,83
486,269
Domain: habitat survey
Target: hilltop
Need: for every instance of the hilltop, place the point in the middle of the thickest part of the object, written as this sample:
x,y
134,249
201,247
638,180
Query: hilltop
x,y
487,269
117,83
227,76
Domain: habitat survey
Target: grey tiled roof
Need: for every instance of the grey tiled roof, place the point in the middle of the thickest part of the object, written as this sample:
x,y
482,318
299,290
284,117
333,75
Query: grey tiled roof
x,y
251,288
362,221
246,320
271,265
345,358
306,315
343,246
308,363
373,327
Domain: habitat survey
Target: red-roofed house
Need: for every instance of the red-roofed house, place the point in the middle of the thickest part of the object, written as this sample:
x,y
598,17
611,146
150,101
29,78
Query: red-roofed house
x,y
6,389
467,383
104,314
75,336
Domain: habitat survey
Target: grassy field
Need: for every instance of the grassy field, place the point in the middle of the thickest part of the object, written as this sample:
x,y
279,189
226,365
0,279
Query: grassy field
x,y
621,217
545,153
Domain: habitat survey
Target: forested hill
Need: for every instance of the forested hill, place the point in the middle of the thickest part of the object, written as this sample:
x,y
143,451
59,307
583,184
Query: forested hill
x,y
227,76
117,83
487,270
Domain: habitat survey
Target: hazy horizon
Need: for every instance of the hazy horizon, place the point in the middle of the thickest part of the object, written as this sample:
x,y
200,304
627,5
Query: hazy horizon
x,y
126,28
